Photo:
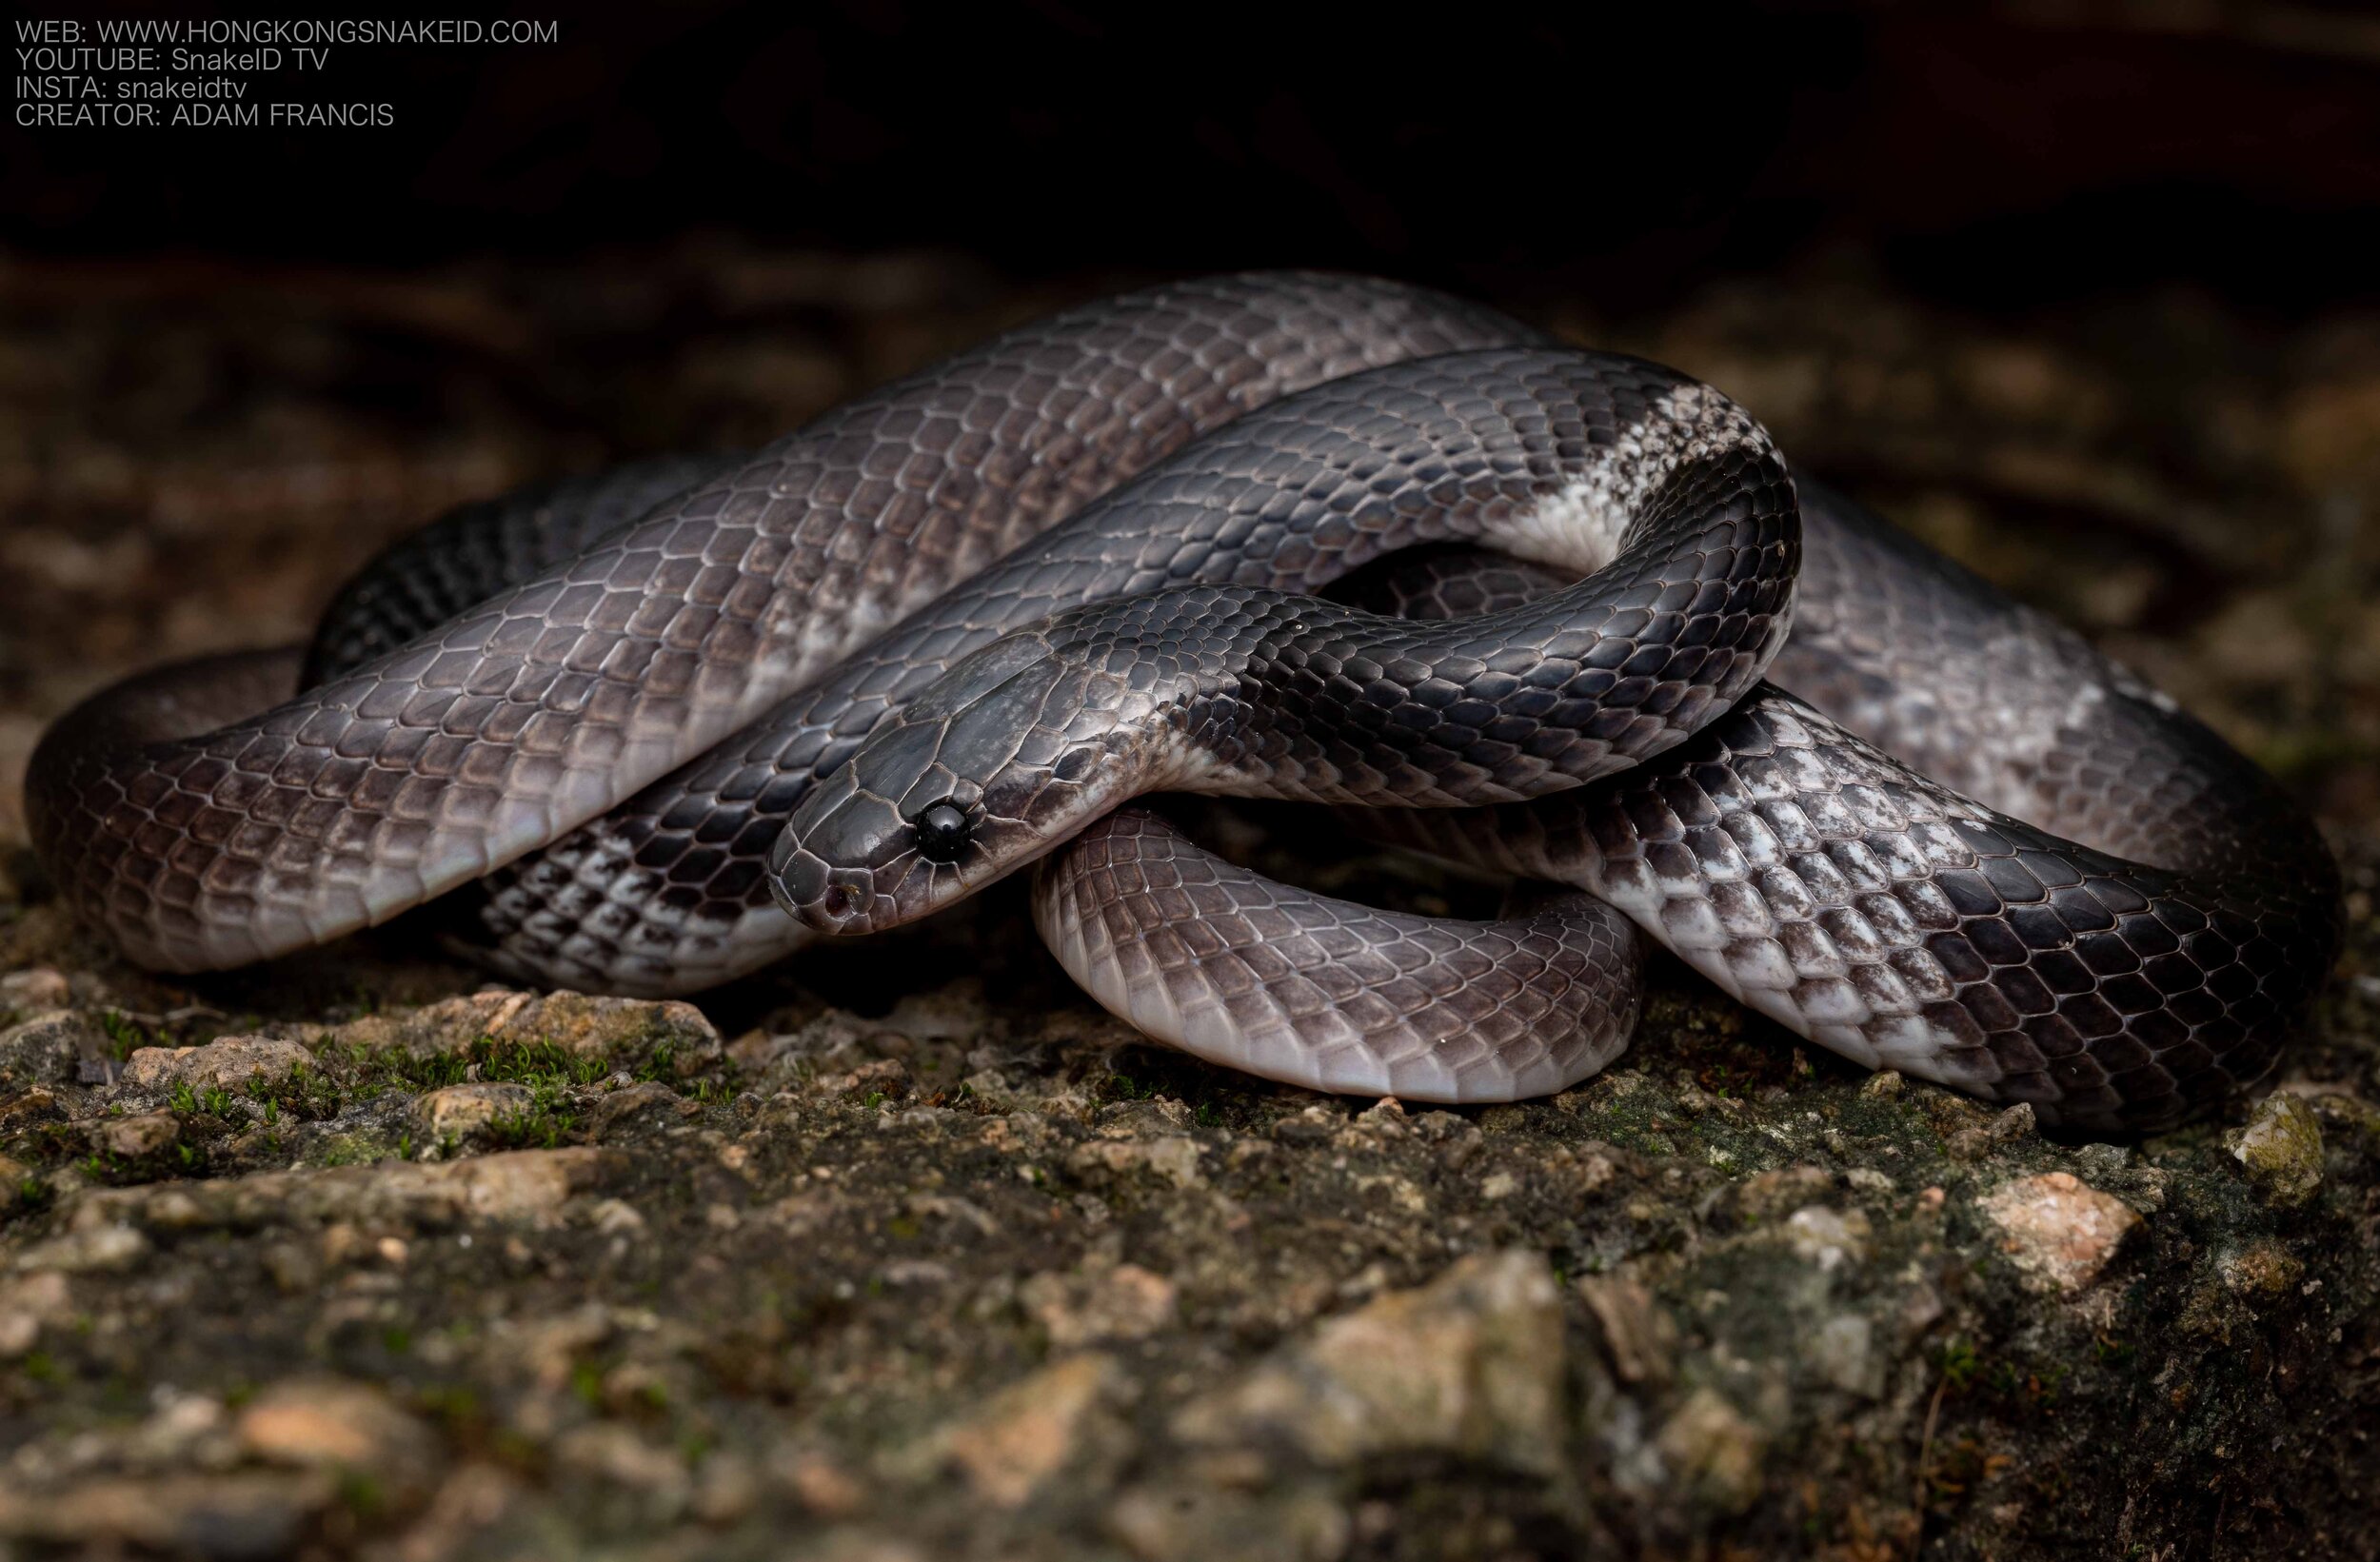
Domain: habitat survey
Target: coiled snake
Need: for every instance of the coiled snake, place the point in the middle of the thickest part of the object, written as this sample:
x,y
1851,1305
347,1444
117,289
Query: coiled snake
x,y
867,670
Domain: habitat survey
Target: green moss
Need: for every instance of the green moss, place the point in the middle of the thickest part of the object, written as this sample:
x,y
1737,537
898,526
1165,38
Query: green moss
x,y
126,1035
2281,1147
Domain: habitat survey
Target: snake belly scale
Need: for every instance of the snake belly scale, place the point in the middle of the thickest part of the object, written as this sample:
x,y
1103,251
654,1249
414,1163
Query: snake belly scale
x,y
867,671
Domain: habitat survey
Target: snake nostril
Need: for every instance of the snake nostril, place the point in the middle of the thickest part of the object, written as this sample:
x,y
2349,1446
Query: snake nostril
x,y
837,902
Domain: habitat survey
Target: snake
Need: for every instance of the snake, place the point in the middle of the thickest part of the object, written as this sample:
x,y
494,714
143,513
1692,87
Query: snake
x,y
651,730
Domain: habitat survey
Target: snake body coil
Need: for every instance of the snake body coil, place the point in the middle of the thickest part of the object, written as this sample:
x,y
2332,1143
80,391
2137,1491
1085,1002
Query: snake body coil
x,y
871,630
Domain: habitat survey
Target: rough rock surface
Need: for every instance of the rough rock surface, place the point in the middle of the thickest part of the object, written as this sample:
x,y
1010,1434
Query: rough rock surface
x,y
1005,1280
886,1256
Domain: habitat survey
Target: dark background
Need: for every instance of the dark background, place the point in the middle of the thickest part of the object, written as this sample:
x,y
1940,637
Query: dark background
x,y
2003,156
2083,293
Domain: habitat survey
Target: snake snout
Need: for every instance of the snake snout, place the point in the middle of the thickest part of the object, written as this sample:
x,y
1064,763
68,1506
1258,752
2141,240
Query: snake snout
x,y
831,900
824,870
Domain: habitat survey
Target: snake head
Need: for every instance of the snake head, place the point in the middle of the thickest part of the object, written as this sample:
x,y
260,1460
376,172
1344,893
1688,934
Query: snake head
x,y
1012,751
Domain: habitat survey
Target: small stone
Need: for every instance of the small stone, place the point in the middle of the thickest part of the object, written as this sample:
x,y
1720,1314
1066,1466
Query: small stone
x,y
1638,1333
48,1049
1470,1364
238,1513
1173,1158
39,1104
2103,1159
2059,1231
100,1250
185,1429
615,1217
325,1423
2263,1269
819,1484
1770,1196
880,1080
226,1063
2013,1124
629,1033
527,1184
150,1133
1968,1144
646,1102
1029,1431
2282,1149
517,1185
40,987
1125,1302
1843,1350
28,1306
1883,1085
1710,1444
467,1111
1828,1237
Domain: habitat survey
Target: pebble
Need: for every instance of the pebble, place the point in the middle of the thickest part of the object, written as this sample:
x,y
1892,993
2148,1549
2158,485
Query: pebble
x,y
27,1305
96,1250
1013,1443
2103,1159
628,1030
518,1185
817,1483
467,1111
38,1104
328,1423
2015,1123
1828,1237
2060,1231
238,1513
1770,1196
2262,1269
1843,1352
35,987
2281,1147
1639,1333
133,1137
647,1101
1709,1444
1173,1158
228,1063
1123,1303
48,1049
1470,1364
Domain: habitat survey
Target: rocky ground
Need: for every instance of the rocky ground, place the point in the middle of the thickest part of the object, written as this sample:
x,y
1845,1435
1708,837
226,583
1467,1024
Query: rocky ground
x,y
906,1252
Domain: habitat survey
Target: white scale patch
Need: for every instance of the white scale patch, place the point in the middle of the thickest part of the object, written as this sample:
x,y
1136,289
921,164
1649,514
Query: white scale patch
x,y
1581,526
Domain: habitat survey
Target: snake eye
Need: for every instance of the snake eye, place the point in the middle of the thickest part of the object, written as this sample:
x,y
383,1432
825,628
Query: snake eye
x,y
943,831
